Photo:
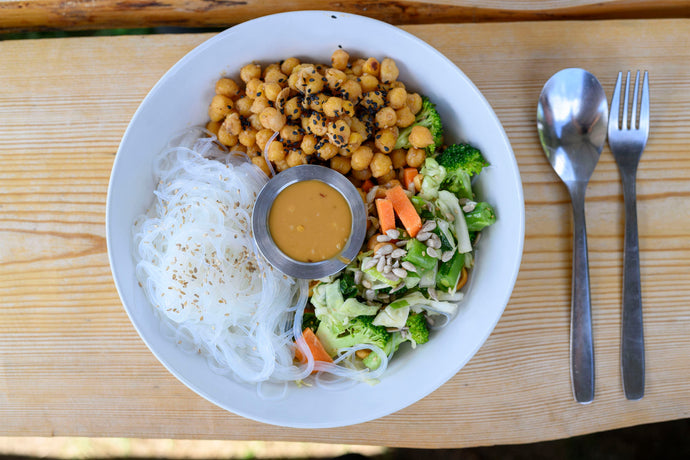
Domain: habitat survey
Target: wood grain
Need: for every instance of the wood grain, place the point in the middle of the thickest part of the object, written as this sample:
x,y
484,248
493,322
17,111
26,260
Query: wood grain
x,y
25,15
72,365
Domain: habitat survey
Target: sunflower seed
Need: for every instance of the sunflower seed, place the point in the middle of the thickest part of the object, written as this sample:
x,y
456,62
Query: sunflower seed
x,y
423,236
401,243
391,277
398,253
366,284
429,225
401,272
431,252
446,256
396,264
397,288
371,263
469,207
358,276
370,294
432,293
383,238
434,242
384,250
381,263
409,267
393,233
387,269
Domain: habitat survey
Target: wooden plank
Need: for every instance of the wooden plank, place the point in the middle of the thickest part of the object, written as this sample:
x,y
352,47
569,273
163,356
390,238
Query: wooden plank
x,y
25,15
72,365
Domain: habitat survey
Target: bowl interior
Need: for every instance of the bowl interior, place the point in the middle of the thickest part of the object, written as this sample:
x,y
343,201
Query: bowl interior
x,y
180,100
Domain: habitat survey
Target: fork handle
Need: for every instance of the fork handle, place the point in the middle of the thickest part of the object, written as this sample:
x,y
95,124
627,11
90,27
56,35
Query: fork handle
x,y
632,340
581,344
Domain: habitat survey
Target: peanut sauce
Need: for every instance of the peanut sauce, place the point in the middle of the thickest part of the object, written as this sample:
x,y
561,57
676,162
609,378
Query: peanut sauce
x,y
310,221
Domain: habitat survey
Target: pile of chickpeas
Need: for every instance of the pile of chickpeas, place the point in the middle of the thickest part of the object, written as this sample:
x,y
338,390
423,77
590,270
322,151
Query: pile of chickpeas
x,y
346,116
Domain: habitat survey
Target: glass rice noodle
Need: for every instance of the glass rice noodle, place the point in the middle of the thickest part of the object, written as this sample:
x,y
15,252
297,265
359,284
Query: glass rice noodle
x,y
210,287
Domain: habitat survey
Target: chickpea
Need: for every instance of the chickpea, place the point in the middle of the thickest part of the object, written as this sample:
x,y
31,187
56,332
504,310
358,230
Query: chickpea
x,y
340,164
355,140
399,158
232,123
357,126
308,144
244,105
391,183
260,162
420,137
250,71
281,165
239,148
404,117
220,107
357,67
386,178
333,107
227,87
372,66
289,64
373,100
255,121
272,119
259,104
361,158
295,82
339,59
397,98
272,90
292,109
226,138
291,133
276,151
368,82
305,122
348,108
274,75
296,158
213,127
248,137
313,83
326,150
345,151
338,133
396,84
385,140
262,137
351,90
414,102
362,175
317,102
386,117
252,150
254,88
417,181
317,124
415,157
335,78
380,165
373,242
389,70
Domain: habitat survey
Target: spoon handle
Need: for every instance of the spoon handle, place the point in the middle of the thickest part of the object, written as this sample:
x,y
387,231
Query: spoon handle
x,y
581,346
632,343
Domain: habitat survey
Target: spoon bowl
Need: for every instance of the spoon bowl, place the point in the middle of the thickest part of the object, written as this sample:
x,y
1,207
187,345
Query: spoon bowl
x,y
572,119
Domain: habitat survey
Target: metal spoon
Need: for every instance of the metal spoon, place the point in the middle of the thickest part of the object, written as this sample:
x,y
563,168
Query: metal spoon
x,y
572,117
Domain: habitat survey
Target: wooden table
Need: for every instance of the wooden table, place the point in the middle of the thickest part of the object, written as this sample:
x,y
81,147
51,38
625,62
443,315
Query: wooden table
x,y
71,364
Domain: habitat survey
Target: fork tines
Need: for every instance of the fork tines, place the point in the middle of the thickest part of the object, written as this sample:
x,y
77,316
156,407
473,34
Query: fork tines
x,y
635,123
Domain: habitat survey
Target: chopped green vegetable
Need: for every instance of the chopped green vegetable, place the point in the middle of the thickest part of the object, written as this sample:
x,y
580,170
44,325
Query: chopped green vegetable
x,y
480,217
359,330
434,174
348,287
417,256
449,272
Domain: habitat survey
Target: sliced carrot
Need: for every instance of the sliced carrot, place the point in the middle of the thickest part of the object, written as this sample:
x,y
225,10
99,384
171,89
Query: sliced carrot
x,y
384,208
405,210
367,185
315,346
408,176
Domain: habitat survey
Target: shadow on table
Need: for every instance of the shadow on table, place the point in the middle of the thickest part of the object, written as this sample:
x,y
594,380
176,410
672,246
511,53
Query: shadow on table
x,y
667,440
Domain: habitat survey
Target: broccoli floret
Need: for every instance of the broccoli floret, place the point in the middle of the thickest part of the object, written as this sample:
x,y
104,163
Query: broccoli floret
x,y
461,162
418,329
480,217
359,330
429,118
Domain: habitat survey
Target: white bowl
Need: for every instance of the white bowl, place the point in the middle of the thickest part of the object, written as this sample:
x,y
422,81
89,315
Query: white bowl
x,y
180,100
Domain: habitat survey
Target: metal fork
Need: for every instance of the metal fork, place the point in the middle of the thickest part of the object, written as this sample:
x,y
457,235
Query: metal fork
x,y
627,138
